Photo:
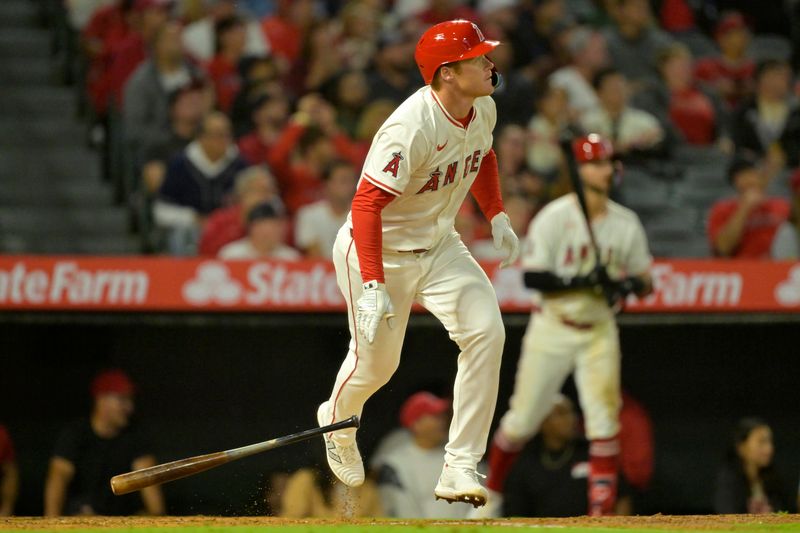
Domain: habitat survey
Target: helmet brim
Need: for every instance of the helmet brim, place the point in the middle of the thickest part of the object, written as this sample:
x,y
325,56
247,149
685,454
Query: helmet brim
x,y
480,49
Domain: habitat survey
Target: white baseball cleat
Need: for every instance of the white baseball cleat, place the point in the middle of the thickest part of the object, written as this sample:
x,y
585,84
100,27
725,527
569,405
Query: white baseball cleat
x,y
460,485
344,460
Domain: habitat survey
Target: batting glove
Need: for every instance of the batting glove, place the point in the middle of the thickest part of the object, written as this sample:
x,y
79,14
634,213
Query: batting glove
x,y
505,238
372,306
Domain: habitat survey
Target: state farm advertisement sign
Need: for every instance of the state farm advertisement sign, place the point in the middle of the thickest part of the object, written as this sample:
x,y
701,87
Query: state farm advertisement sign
x,y
190,285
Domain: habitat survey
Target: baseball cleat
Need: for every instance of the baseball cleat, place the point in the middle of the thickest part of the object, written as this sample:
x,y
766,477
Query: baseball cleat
x,y
344,460
460,485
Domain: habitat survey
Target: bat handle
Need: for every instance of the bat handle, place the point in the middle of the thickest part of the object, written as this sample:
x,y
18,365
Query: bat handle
x,y
351,422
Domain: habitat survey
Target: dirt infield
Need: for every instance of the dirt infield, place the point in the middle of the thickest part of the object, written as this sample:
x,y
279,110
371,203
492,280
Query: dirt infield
x,y
711,522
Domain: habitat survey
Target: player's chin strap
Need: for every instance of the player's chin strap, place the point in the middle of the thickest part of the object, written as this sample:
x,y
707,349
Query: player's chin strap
x,y
497,78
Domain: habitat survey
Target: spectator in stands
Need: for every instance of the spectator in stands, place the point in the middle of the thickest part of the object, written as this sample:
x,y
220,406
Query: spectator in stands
x,y
786,244
393,74
270,111
545,131
317,224
748,481
731,73
230,35
308,144
107,28
266,236
744,226
684,111
260,77
513,96
198,37
532,36
769,123
286,29
349,95
187,107
360,23
313,493
549,478
254,185
89,452
699,117
635,41
511,145
410,468
9,474
633,132
589,55
129,53
198,180
146,106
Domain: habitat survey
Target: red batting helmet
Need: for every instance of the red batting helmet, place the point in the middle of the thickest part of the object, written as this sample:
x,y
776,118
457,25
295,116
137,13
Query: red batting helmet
x,y
447,42
591,147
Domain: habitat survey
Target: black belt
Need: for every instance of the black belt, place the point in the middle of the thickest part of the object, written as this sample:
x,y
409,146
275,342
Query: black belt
x,y
414,251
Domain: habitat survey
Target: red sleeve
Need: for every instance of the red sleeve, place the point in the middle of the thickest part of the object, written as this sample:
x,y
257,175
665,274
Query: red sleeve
x,y
366,212
486,188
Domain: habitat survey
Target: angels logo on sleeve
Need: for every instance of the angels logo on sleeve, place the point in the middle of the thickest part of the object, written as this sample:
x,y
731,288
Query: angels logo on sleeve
x,y
394,164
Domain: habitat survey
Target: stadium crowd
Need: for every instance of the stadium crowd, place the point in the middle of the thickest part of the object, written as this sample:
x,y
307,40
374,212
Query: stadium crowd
x,y
184,97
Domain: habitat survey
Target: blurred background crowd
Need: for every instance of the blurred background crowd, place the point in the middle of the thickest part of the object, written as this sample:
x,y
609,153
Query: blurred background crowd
x,y
237,128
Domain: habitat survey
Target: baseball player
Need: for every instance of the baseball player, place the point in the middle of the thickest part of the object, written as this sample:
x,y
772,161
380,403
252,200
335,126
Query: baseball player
x,y
399,246
574,329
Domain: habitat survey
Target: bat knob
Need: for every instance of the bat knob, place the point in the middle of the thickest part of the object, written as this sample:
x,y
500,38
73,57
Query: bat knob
x,y
353,422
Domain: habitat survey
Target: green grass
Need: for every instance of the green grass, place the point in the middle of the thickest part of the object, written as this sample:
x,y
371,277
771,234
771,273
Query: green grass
x,y
438,527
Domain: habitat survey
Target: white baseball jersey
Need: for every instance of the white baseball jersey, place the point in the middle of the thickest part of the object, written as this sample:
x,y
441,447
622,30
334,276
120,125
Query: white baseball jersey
x,y
557,241
426,158
429,161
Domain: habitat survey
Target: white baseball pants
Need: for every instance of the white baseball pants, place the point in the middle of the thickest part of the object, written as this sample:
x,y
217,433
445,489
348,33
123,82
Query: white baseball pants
x,y
448,282
551,350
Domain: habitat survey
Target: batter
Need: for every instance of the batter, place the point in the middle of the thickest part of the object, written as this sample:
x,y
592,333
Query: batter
x,y
575,329
399,246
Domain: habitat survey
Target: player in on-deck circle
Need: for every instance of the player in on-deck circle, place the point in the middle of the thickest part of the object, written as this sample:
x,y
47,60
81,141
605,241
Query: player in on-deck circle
x,y
574,329
399,247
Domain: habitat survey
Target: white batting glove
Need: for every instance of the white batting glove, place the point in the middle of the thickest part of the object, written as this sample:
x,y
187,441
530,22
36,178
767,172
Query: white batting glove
x,y
505,238
371,308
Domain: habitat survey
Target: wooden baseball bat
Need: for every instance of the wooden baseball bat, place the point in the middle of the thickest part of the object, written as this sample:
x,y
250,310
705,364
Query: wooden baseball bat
x,y
577,185
154,475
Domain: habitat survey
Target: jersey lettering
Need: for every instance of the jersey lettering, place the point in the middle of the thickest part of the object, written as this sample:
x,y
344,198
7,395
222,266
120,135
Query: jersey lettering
x,y
476,161
394,165
433,182
450,174
471,164
606,255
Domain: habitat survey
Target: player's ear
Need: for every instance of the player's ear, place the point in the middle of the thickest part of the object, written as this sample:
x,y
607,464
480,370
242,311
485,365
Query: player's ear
x,y
446,72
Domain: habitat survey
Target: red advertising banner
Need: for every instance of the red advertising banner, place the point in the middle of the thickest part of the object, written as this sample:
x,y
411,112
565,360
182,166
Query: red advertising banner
x,y
197,285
